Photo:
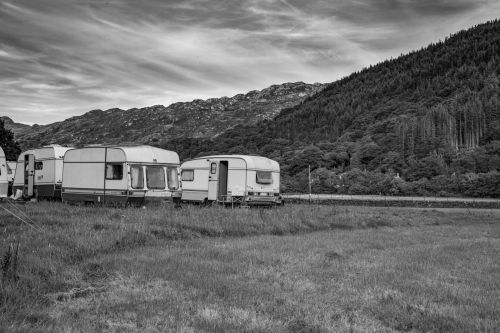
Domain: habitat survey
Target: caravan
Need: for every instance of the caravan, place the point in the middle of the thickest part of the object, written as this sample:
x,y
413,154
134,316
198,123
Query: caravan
x,y
120,175
39,172
229,179
4,180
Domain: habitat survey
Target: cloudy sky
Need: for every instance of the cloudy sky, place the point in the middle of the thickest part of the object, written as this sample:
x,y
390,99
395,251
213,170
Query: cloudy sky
x,y
60,58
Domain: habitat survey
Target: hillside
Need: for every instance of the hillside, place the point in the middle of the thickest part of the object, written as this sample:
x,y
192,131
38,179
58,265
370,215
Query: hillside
x,y
16,128
404,126
151,125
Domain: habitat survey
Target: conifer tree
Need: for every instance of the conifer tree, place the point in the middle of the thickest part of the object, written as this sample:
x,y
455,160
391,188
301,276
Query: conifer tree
x,y
9,146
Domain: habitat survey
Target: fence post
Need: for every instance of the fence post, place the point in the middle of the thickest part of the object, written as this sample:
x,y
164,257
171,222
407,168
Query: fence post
x,y
309,167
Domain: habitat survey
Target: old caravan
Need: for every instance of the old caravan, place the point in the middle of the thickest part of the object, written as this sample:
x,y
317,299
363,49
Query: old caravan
x,y
251,180
120,175
4,180
39,172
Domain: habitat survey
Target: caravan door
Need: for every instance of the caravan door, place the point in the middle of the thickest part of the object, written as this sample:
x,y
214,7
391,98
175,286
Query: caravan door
x,y
29,175
217,180
115,183
213,179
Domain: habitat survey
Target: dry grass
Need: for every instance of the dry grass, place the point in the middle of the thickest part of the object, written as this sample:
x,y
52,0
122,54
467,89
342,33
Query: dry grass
x,y
298,268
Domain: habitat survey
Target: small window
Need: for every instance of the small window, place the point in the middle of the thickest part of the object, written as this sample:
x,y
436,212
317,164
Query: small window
x,y
155,177
187,175
136,177
213,168
114,171
264,177
38,165
9,170
173,178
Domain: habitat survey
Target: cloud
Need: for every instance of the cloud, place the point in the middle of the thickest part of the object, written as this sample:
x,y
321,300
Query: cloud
x,y
60,58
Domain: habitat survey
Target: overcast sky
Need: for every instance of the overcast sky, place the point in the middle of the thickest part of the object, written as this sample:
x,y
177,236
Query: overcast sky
x,y
60,58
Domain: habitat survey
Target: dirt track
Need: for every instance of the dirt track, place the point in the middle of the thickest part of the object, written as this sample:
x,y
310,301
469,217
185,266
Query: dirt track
x,y
387,201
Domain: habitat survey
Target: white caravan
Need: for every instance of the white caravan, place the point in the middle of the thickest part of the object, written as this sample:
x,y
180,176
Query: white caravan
x,y
120,175
39,172
4,180
248,180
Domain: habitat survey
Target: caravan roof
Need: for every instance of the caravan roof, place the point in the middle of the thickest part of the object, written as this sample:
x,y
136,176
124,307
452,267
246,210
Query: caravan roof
x,y
46,152
142,154
252,162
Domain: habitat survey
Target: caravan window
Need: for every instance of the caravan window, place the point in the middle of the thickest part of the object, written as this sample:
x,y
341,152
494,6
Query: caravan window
x,y
155,177
264,177
38,165
114,171
187,175
173,178
136,176
213,168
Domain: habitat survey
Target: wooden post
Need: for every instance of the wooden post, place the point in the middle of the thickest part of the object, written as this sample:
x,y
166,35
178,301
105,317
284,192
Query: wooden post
x,y
309,183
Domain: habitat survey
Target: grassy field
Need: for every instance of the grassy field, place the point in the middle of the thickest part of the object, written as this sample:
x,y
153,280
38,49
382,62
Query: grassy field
x,y
299,268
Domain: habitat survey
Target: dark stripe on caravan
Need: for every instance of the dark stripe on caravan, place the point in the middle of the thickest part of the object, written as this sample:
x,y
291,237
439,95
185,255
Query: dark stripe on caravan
x,y
41,191
128,162
93,189
42,159
151,163
69,162
74,197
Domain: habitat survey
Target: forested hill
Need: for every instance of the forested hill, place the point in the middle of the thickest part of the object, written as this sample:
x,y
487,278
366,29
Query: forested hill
x,y
427,116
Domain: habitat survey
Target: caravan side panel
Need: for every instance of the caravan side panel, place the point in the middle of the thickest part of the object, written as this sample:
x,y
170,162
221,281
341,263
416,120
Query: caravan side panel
x,y
44,177
196,187
83,181
83,175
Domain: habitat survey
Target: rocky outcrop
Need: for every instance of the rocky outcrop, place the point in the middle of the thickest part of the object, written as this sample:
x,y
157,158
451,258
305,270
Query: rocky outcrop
x,y
150,125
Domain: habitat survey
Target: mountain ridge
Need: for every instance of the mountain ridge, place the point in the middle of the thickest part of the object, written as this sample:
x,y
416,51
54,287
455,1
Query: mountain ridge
x,y
153,124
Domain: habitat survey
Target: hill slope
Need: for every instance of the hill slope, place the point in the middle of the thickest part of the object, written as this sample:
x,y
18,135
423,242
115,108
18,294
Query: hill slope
x,y
16,128
199,118
433,112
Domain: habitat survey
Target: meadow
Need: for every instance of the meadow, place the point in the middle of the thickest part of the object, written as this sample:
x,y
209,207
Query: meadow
x,y
298,268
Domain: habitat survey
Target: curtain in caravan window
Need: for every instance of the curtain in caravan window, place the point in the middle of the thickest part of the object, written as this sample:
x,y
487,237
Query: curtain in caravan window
x,y
187,175
114,171
264,177
155,177
136,176
173,178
